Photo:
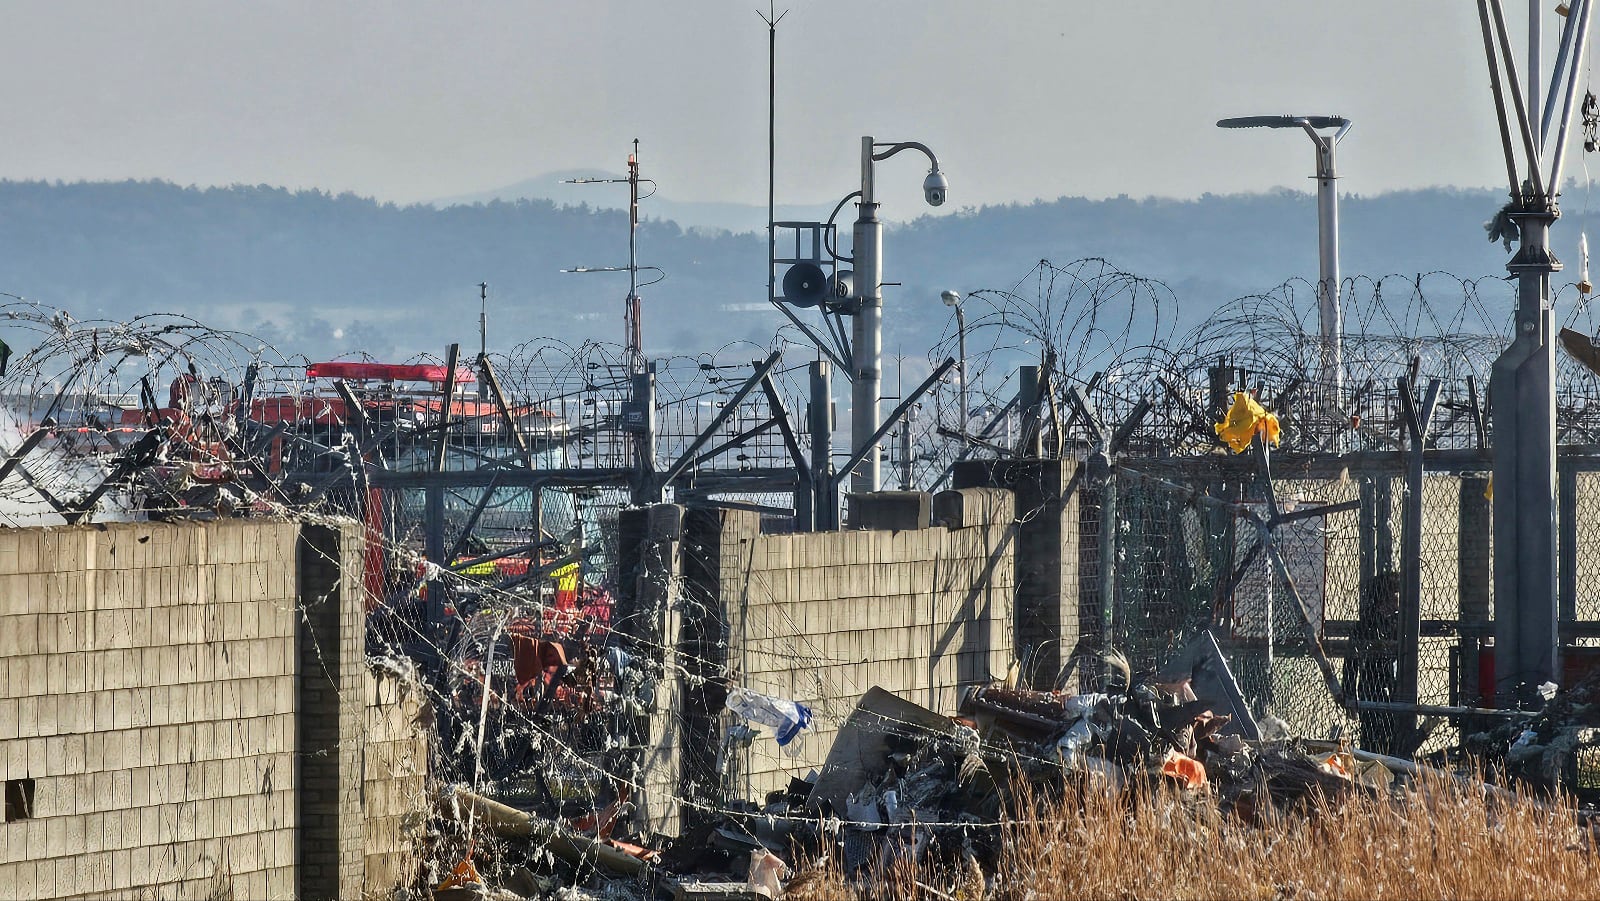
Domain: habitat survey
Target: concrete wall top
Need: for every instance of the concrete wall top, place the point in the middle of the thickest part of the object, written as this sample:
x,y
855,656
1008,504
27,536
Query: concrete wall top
x,y
821,617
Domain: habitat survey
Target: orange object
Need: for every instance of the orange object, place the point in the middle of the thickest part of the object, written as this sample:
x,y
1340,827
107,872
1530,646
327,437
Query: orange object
x,y
464,874
1185,769
639,851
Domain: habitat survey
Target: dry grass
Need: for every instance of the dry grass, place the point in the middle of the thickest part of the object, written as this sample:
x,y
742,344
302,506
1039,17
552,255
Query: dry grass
x,y
1440,840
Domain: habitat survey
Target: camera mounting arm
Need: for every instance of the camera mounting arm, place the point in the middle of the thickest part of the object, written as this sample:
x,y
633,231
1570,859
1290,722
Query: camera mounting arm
x,y
934,184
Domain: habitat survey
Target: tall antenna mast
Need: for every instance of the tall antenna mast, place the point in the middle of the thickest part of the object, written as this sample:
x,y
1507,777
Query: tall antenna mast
x,y
483,318
633,356
633,332
772,135
483,337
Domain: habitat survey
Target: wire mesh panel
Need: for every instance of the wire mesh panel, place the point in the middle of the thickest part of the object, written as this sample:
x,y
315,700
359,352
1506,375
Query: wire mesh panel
x,y
1585,555
1150,608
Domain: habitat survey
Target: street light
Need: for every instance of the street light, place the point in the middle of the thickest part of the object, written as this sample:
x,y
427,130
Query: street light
x,y
866,350
953,299
1329,316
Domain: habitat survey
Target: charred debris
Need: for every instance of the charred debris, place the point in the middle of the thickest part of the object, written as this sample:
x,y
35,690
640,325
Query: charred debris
x,y
904,784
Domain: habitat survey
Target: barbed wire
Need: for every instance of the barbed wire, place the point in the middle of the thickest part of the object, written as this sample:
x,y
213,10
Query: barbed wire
x,y
90,395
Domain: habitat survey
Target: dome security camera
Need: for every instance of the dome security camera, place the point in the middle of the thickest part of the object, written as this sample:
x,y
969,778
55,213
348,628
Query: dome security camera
x,y
934,187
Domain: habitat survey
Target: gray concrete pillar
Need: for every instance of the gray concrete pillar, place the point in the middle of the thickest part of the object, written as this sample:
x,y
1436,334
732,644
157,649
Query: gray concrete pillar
x,y
330,651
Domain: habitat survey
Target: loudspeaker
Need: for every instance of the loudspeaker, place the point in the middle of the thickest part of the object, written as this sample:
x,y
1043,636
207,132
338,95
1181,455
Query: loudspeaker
x,y
805,285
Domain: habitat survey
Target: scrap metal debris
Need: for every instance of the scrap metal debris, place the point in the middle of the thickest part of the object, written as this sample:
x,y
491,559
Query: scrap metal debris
x,y
902,783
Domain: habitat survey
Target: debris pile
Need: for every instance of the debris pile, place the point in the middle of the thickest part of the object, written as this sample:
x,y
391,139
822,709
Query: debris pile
x,y
904,784
1555,748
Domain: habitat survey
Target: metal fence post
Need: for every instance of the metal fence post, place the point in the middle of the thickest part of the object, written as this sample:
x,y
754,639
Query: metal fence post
x,y
1418,417
1474,578
434,548
1567,542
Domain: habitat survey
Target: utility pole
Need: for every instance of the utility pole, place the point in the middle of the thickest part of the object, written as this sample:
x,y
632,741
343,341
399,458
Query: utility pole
x,y
819,422
633,330
866,332
866,335
639,415
1330,316
1522,381
483,336
483,318
633,356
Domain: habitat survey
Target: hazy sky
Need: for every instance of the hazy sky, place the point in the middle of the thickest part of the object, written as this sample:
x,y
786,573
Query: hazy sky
x,y
407,101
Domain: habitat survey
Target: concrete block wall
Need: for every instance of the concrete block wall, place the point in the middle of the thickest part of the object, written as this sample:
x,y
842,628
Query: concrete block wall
x,y
331,667
188,703
646,613
147,690
822,617
1051,616
395,788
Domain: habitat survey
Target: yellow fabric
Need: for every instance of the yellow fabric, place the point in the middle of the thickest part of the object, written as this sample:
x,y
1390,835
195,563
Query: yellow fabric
x,y
566,577
1244,421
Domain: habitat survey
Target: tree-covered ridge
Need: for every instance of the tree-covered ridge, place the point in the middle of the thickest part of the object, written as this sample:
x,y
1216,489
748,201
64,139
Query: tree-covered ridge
x,y
321,273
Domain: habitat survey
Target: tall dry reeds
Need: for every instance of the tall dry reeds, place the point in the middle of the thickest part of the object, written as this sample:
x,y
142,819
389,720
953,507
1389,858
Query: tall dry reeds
x,y
1439,839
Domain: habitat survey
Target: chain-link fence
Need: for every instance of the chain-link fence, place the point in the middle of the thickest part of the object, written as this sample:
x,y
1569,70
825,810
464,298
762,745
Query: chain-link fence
x,y
1306,588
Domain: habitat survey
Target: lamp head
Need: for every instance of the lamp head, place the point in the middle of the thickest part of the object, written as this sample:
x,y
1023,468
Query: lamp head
x,y
951,298
934,187
1284,122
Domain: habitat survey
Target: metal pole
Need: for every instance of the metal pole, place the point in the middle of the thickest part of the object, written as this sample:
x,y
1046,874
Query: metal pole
x,y
1418,416
635,360
1529,147
866,349
961,345
905,451
1474,575
483,333
820,425
1028,401
1522,392
1535,75
1330,315
1557,161
646,489
433,548
1563,50
772,148
447,395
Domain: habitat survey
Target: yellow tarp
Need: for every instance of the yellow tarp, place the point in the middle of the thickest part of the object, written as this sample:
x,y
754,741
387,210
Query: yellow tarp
x,y
1245,419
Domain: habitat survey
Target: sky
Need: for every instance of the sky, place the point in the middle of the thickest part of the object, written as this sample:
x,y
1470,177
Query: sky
x,y
409,101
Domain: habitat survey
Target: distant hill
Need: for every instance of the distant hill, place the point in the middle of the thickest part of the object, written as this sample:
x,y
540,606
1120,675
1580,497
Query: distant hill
x,y
321,274
557,187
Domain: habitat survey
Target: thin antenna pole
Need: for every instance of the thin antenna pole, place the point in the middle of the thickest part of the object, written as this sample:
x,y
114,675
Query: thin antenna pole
x,y
772,140
772,137
483,340
633,328
635,336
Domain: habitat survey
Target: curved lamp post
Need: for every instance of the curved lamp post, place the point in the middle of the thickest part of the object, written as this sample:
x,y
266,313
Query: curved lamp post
x,y
1330,318
866,350
953,299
